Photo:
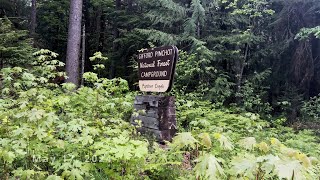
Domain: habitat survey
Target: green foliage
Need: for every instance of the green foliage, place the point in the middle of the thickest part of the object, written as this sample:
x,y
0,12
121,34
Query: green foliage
x,y
159,36
227,42
254,94
167,15
99,62
220,37
184,140
225,151
208,167
232,51
166,12
310,110
258,154
52,24
56,132
197,76
306,32
61,132
15,46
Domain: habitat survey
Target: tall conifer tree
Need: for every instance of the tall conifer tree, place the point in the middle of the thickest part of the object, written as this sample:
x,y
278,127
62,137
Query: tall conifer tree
x,y
74,40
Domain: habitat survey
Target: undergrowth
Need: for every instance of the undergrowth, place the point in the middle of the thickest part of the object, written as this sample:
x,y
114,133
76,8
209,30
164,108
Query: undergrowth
x,y
51,131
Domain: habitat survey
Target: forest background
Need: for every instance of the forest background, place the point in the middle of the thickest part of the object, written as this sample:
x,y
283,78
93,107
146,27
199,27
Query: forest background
x,y
257,58
262,56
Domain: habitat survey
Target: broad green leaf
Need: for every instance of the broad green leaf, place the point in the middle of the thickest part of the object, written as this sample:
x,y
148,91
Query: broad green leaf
x,y
8,156
244,166
40,133
208,167
289,168
205,139
263,147
268,163
248,143
76,174
54,177
224,141
36,114
275,142
183,140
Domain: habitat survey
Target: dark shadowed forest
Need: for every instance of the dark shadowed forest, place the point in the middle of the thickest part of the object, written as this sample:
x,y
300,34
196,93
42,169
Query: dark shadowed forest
x,y
246,88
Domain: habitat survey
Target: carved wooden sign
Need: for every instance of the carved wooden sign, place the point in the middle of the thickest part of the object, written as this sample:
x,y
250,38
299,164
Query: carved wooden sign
x,y
156,68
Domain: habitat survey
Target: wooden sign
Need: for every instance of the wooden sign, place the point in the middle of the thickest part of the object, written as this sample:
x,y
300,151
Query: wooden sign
x,y
156,68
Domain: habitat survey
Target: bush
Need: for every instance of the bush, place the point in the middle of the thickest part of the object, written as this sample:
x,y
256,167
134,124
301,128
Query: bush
x,y
310,110
51,131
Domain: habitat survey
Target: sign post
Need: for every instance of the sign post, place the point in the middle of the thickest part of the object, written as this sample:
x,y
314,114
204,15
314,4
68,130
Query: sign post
x,y
156,68
156,74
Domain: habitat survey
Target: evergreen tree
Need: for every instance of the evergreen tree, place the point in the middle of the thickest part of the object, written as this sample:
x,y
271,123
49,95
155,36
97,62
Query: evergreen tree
x,y
52,25
15,46
74,39
243,51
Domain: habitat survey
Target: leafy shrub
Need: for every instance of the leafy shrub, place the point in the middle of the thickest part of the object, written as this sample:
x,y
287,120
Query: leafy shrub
x,y
246,159
50,131
310,110
254,94
194,74
243,146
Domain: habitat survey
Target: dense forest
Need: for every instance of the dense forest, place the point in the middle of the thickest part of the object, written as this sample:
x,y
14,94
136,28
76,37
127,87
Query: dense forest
x,y
247,89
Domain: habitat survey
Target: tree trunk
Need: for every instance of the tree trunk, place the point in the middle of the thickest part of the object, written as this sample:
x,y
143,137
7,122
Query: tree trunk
x,y
239,76
98,28
83,56
198,30
239,68
33,18
115,44
15,7
129,6
74,40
